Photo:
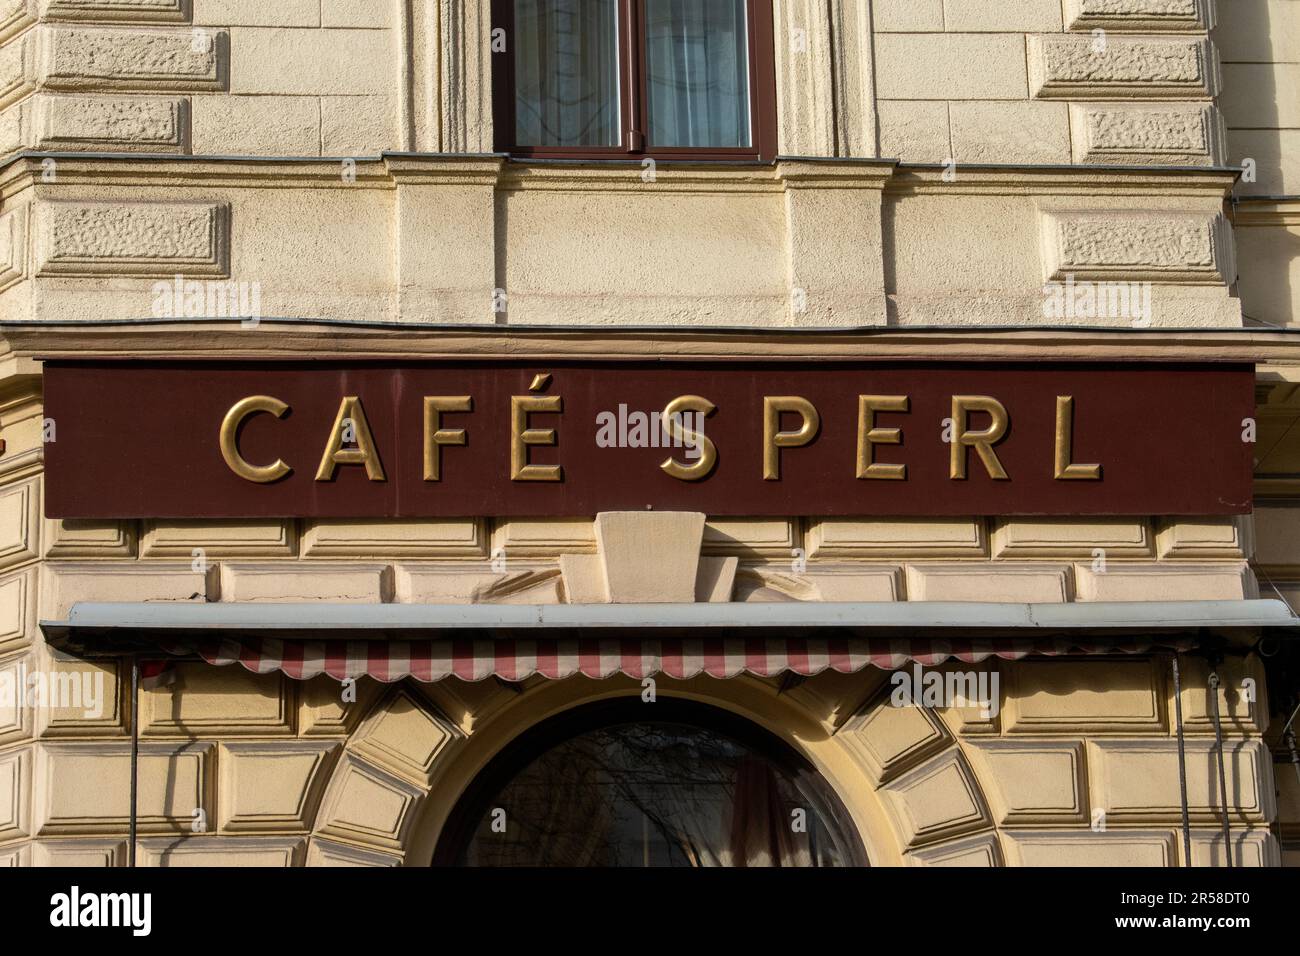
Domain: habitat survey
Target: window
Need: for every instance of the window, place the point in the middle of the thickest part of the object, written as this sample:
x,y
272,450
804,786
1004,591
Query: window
x,y
605,786
688,79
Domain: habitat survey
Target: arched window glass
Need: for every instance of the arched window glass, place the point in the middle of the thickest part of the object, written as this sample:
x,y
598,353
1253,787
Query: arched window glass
x,y
682,791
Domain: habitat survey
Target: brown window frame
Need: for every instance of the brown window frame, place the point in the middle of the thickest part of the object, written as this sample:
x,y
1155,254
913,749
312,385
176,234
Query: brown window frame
x,y
634,94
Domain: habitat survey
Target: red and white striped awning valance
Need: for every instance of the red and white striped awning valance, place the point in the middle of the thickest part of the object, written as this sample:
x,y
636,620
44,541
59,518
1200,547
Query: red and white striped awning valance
x,y
518,659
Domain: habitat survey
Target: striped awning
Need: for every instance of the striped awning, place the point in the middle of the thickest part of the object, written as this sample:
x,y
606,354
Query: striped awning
x,y
389,642
516,660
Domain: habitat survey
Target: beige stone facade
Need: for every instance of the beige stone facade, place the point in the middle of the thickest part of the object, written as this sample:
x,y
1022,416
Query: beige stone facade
x,y
940,162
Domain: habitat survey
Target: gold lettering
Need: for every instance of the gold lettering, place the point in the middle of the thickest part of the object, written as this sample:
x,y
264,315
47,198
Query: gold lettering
x,y
229,439
435,436
351,418
678,432
1065,470
774,439
521,437
869,436
982,441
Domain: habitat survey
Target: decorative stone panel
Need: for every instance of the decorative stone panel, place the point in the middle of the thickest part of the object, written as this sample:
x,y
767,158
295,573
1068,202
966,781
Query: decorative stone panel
x,y
1141,246
891,739
898,538
937,800
223,851
272,786
16,16
544,537
369,806
116,124
174,779
287,582
1031,782
218,701
131,239
373,539
1084,697
1074,67
109,11
1137,781
13,246
1156,16
404,736
329,853
17,69
1122,134
752,537
1249,848
15,795
20,520
977,851
218,539
1088,848
1071,537
1019,583
62,585
84,58
1227,537
1165,582
91,698
17,610
95,854
15,715
79,538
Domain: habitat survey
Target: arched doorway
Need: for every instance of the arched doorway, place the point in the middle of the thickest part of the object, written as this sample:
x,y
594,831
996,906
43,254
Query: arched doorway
x,y
624,783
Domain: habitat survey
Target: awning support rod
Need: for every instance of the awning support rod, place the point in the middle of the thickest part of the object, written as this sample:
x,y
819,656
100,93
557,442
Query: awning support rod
x,y
135,752
1223,779
1182,762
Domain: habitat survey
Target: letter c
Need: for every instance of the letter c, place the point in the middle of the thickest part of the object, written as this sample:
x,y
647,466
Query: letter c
x,y
261,474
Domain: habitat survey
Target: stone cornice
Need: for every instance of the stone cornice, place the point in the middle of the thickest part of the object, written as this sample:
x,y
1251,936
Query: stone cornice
x,y
20,343
25,169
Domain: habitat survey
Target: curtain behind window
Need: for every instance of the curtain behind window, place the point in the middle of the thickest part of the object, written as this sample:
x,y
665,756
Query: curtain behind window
x,y
697,66
566,73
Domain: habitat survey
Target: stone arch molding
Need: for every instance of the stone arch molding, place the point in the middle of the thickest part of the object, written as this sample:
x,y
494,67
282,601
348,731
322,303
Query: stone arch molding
x,y
907,781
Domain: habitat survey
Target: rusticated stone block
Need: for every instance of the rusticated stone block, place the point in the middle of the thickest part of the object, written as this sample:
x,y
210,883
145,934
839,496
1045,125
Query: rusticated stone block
x,y
1225,537
272,787
1031,782
95,854
223,851
84,58
1166,582
978,851
226,701
15,715
13,246
17,610
1086,848
329,853
894,538
80,538
62,585
890,739
175,780
937,800
20,519
404,737
17,69
449,538
1136,247
15,795
1249,848
366,805
1138,780
1154,15
218,539
1082,68
1071,537
15,16
136,239
109,11
1126,135
120,124
1023,583
1084,697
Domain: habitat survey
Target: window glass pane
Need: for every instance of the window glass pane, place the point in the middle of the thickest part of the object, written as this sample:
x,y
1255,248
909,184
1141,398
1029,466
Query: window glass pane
x,y
566,73
697,67
653,794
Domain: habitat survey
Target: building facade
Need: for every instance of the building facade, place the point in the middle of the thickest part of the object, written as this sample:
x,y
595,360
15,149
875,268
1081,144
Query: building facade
x,y
748,196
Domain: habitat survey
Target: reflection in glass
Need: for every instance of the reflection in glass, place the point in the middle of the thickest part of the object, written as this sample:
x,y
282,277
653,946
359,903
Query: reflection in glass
x,y
654,794
697,66
566,73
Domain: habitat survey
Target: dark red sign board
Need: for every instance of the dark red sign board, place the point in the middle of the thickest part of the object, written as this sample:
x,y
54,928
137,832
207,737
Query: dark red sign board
x,y
141,439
